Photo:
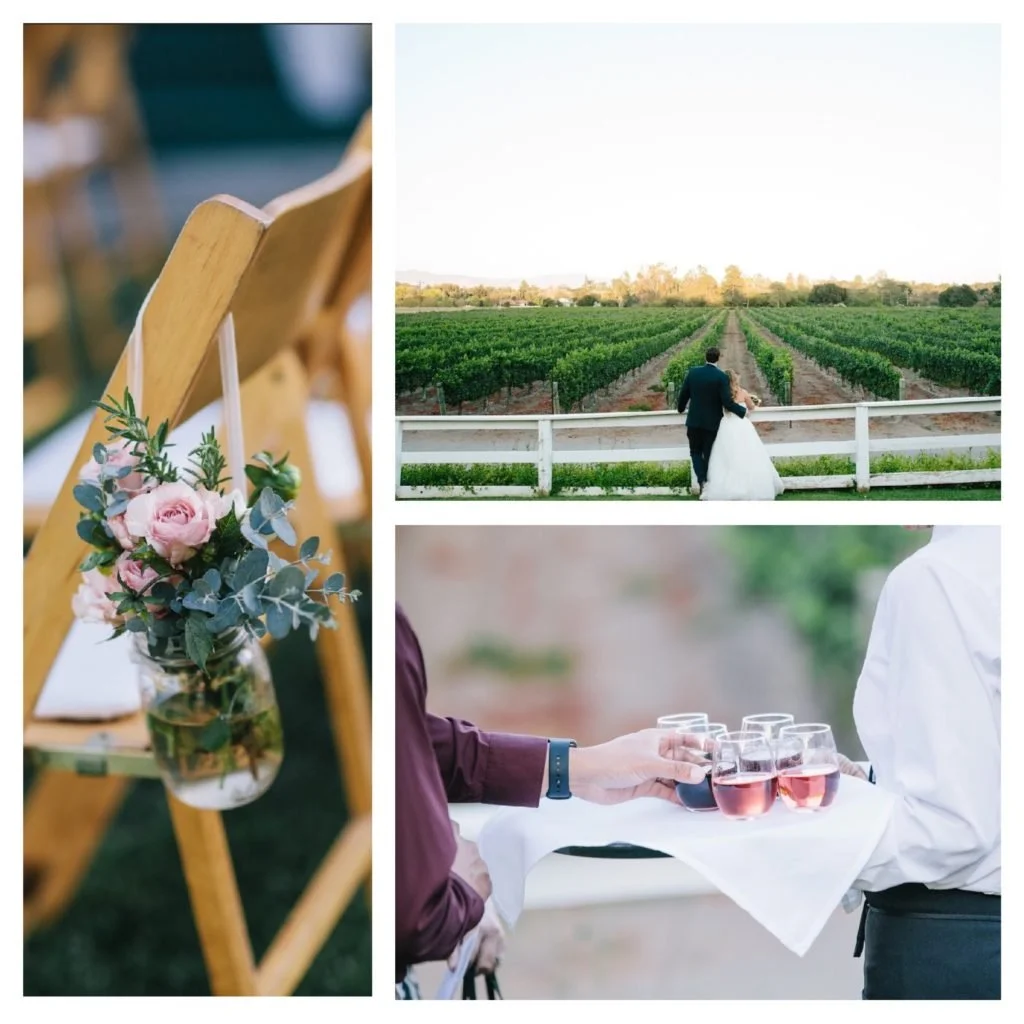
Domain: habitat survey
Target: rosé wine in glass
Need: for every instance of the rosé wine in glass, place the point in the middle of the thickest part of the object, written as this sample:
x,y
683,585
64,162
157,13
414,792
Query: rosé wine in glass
x,y
743,776
808,766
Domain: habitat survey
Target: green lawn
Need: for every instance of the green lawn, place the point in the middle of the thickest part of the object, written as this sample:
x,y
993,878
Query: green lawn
x,y
129,930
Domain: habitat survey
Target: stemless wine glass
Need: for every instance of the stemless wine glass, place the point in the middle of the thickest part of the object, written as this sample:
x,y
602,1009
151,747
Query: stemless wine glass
x,y
808,766
743,774
769,723
698,796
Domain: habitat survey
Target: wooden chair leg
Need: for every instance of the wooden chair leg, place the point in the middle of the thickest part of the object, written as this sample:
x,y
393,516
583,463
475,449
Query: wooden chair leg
x,y
216,904
66,817
339,650
274,404
357,408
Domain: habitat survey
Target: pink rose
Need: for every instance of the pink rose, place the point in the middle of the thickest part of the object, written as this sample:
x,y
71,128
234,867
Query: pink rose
x,y
120,532
118,455
91,602
136,577
174,519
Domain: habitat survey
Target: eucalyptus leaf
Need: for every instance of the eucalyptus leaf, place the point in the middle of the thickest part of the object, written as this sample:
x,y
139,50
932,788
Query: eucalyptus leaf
x,y
135,625
270,504
288,583
99,453
250,595
212,579
284,530
279,621
89,496
309,547
252,567
334,583
252,536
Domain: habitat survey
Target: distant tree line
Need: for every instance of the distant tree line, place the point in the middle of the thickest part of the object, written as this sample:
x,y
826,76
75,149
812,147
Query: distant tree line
x,y
660,285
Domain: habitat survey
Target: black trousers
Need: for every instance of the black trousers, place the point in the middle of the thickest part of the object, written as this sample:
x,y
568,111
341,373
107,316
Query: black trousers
x,y
701,441
924,944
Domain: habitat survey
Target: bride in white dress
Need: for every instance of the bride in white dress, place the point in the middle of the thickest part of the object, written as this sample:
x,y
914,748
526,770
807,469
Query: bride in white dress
x,y
740,469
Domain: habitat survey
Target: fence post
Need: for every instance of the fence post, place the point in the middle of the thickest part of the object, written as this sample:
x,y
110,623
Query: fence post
x,y
398,456
862,475
545,455
670,395
440,400
903,389
555,406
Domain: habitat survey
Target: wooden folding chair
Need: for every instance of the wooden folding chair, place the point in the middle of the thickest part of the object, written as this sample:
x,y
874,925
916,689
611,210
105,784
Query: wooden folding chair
x,y
82,122
272,269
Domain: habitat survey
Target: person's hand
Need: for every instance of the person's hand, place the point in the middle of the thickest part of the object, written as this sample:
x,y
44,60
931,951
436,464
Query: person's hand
x,y
490,945
640,764
469,865
848,767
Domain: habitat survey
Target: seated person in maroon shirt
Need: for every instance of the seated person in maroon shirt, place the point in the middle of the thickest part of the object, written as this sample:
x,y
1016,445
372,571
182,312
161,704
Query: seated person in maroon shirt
x,y
441,882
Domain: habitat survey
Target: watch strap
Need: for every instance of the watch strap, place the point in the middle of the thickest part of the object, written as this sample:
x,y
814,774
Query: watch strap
x,y
558,769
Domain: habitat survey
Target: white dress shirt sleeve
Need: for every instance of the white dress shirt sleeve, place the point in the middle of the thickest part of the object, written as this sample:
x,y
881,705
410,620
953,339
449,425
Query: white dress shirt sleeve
x,y
942,748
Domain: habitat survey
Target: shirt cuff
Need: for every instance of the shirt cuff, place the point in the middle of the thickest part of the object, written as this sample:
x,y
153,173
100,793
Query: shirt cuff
x,y
515,769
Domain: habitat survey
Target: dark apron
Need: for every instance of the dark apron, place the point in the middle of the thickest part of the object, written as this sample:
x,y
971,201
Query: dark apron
x,y
922,943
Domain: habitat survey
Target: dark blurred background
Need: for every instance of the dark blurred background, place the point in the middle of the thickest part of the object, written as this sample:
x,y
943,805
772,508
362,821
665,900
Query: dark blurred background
x,y
127,128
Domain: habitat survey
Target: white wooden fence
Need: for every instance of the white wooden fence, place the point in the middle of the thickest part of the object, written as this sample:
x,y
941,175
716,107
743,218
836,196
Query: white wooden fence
x,y
535,440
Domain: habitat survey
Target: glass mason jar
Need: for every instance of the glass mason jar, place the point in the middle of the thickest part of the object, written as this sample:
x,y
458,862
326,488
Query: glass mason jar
x,y
216,735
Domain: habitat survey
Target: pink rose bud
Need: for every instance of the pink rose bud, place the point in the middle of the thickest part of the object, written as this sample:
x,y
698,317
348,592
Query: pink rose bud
x,y
91,602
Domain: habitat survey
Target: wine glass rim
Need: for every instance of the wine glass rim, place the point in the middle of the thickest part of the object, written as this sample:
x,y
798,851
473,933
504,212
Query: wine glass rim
x,y
718,727
684,716
769,716
805,728
741,735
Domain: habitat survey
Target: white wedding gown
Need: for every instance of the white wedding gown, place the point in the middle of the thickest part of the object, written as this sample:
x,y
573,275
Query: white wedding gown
x,y
740,469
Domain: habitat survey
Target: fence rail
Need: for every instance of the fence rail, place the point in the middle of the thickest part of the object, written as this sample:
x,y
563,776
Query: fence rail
x,y
536,436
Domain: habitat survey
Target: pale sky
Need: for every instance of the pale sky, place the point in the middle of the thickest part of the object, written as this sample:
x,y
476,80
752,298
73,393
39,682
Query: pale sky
x,y
828,149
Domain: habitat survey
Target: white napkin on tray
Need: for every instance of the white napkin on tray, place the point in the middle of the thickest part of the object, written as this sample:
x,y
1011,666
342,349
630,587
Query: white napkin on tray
x,y
788,871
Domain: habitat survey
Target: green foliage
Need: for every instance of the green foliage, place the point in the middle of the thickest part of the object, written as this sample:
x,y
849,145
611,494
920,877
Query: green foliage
x,y
631,475
283,478
693,354
774,361
124,423
958,295
639,407
828,294
208,463
582,349
857,367
956,348
587,300
812,573
497,655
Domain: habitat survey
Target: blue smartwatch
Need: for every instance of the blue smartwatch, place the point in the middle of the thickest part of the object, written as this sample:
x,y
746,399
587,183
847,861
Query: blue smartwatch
x,y
558,769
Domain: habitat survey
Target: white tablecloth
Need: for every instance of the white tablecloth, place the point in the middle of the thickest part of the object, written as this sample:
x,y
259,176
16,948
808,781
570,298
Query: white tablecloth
x,y
789,871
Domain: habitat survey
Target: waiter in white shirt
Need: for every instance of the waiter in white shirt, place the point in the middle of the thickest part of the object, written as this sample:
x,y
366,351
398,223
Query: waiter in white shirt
x,y
927,710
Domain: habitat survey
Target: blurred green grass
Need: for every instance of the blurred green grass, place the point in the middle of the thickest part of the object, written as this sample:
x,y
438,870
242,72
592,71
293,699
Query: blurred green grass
x,y
129,929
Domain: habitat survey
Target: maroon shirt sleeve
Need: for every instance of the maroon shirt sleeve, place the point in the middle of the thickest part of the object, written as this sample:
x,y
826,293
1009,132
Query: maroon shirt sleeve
x,y
437,760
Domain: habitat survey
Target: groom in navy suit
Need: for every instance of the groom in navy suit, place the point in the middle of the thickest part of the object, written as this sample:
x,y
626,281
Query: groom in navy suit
x,y
706,389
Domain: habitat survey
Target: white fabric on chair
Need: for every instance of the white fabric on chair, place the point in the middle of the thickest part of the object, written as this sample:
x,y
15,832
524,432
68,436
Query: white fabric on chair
x,y
335,464
90,680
